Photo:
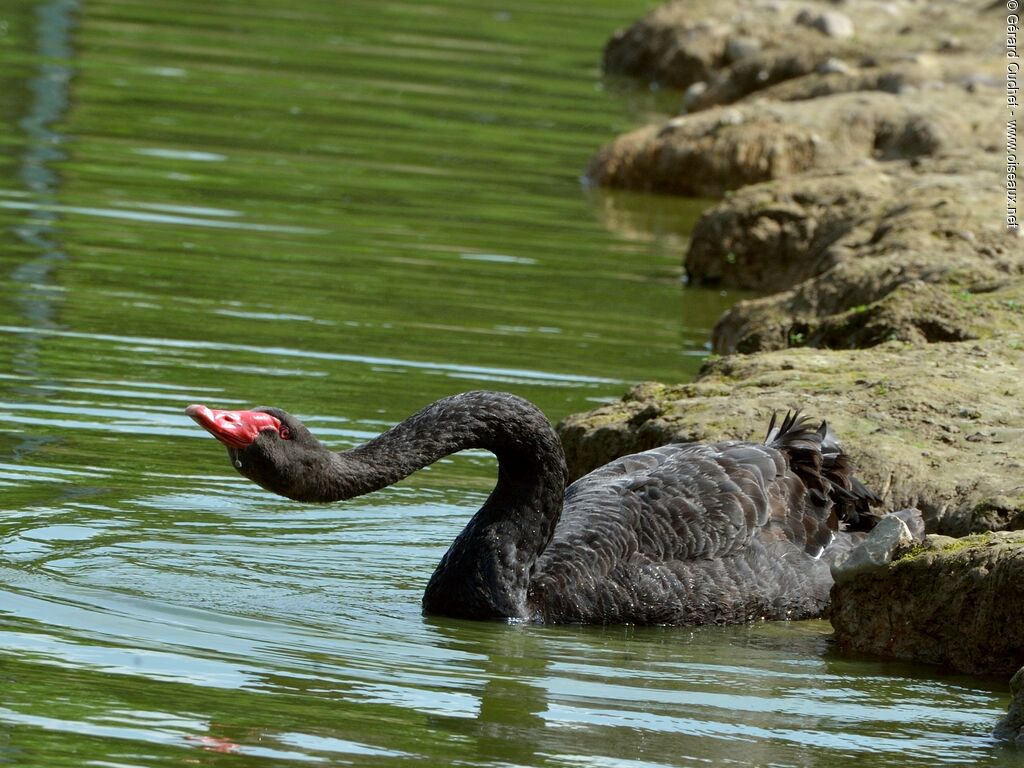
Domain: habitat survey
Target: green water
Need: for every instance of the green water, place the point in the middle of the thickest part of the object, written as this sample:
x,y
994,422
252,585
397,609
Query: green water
x,y
347,209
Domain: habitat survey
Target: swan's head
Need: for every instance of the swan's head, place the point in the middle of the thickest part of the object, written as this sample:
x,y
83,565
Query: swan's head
x,y
269,446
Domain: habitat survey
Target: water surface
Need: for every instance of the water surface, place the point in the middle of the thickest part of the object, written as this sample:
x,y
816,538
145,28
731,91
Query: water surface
x,y
347,210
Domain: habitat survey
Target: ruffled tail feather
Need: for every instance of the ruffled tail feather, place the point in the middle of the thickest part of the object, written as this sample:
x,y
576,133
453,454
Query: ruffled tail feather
x,y
817,458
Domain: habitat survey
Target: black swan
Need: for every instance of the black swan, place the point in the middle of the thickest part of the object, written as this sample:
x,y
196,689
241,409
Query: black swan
x,y
683,534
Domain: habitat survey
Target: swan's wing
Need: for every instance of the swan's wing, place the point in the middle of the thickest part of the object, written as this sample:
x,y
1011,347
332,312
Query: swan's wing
x,y
687,534
687,502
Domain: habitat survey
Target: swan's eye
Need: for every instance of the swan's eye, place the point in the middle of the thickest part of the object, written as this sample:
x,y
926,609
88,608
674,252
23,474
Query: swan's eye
x,y
285,433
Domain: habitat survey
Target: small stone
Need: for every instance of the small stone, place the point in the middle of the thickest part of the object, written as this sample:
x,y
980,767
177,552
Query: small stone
x,y
876,552
834,24
829,23
739,48
730,117
672,125
693,94
976,82
937,541
950,44
833,66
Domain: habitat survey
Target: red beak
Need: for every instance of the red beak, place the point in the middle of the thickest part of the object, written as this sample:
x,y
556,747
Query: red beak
x,y
236,429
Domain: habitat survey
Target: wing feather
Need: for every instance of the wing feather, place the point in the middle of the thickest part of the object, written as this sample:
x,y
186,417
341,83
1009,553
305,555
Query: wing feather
x,y
682,529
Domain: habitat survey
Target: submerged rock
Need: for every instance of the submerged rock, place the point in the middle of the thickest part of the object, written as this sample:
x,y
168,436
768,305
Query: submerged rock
x,y
950,602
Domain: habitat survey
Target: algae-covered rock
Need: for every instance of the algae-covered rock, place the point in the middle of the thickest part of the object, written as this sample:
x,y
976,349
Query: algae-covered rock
x,y
667,47
773,236
688,41
956,604
938,427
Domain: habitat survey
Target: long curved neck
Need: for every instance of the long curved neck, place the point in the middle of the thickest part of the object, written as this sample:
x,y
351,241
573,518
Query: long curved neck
x,y
486,571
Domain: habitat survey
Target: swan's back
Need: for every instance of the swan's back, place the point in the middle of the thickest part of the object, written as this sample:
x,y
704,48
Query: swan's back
x,y
691,533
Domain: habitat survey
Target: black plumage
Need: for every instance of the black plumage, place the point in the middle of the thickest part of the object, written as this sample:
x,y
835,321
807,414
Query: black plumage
x,y
682,534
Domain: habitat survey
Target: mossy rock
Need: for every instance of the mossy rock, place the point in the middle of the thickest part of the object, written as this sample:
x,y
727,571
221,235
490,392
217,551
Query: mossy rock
x,y
952,602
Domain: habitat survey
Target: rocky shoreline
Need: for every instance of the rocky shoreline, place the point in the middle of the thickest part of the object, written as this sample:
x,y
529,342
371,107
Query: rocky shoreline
x,y
857,148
